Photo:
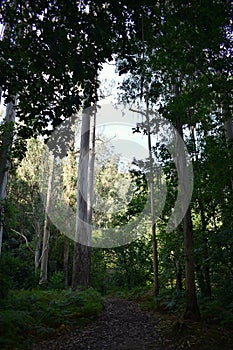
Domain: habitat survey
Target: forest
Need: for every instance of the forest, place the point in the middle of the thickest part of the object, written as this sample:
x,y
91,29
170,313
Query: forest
x,y
116,189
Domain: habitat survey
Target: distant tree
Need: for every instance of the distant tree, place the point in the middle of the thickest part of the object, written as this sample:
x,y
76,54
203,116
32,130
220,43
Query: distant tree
x,y
46,230
7,135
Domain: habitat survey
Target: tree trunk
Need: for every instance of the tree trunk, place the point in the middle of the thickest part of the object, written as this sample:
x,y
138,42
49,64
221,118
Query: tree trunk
x,y
152,202
81,258
91,170
179,284
46,232
207,285
178,266
38,245
192,310
7,139
204,279
228,126
66,261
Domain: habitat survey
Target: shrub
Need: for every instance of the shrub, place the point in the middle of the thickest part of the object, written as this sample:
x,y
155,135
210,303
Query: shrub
x,y
29,316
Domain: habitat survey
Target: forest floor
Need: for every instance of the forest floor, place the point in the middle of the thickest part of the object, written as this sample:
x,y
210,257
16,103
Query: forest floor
x,y
123,325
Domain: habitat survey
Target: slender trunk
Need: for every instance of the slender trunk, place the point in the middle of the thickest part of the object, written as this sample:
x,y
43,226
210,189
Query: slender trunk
x,y
179,275
66,261
46,232
91,169
192,310
151,185
179,284
38,246
5,147
204,279
228,126
229,131
206,291
81,258
179,279
90,192
152,202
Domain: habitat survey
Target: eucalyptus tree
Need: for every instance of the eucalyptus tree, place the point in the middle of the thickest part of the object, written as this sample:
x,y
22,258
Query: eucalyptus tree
x,y
187,50
5,148
50,54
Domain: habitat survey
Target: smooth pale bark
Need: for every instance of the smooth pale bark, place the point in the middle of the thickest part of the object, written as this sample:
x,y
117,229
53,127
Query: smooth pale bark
x,y
46,231
91,170
81,256
5,148
152,204
38,245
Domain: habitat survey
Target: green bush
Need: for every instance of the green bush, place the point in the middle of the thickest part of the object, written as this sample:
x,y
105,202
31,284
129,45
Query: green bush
x,y
213,311
13,325
17,272
5,285
56,281
29,316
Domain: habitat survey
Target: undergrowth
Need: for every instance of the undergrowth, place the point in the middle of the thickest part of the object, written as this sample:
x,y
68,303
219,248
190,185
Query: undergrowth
x,y
31,316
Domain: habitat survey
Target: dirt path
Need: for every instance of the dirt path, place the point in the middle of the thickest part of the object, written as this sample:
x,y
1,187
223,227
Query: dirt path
x,y
121,326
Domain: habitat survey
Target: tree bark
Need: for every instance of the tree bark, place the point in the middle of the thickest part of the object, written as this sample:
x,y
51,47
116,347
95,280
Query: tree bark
x,y
192,311
91,170
206,291
152,203
179,284
46,232
81,257
204,278
5,148
66,261
228,126
38,245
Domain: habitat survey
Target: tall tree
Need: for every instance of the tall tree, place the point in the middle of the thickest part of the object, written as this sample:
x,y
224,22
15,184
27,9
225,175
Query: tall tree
x,y
70,184
81,257
5,148
46,231
192,311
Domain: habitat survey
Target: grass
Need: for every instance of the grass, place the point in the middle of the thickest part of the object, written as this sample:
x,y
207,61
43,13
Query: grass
x,y
31,316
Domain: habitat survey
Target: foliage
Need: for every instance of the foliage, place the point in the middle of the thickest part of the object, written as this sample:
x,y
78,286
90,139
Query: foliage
x,y
48,63
17,271
30,316
56,281
178,55
124,267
